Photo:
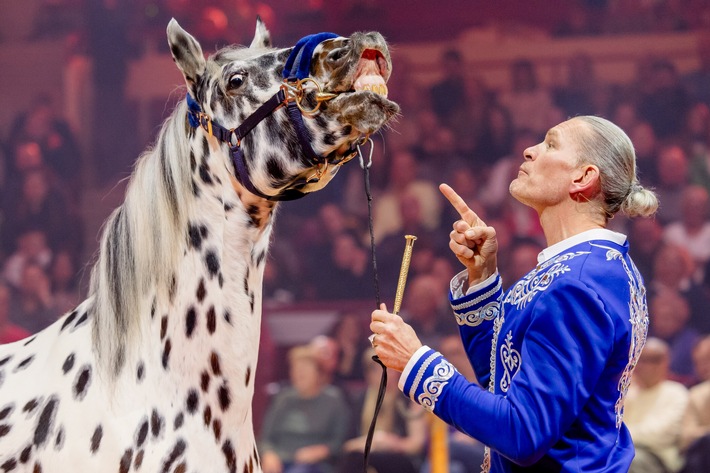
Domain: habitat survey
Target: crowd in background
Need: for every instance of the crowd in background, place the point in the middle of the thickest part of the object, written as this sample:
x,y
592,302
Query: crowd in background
x,y
471,135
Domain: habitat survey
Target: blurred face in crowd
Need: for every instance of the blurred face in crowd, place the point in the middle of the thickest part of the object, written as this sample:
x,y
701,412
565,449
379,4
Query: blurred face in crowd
x,y
305,375
652,367
545,175
646,234
671,265
695,206
672,166
28,156
422,297
668,313
34,187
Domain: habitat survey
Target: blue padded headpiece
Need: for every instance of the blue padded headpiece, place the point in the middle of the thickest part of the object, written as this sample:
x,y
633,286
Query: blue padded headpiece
x,y
298,64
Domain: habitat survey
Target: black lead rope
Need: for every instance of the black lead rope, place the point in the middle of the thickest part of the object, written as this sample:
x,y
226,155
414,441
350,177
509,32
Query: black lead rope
x,y
383,379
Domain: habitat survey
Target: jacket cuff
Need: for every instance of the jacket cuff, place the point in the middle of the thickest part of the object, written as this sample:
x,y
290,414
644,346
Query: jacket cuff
x,y
481,302
426,378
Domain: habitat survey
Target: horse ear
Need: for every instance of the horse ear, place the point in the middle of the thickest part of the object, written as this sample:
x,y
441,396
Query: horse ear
x,y
262,37
186,52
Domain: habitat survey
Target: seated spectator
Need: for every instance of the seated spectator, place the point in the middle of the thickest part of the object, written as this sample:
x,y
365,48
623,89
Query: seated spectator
x,y
31,249
697,81
400,432
422,309
63,277
34,307
466,454
305,424
9,332
666,103
669,314
653,412
645,239
695,434
673,176
672,271
349,334
530,104
692,231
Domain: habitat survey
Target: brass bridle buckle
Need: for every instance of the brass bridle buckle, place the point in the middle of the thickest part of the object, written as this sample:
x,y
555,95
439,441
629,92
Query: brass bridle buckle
x,y
296,91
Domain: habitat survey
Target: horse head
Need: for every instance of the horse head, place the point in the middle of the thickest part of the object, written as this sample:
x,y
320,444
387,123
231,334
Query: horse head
x,y
336,88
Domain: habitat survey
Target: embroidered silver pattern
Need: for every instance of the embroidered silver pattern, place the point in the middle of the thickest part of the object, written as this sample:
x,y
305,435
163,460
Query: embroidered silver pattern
x,y
539,279
638,316
497,324
434,384
484,296
511,360
420,373
475,317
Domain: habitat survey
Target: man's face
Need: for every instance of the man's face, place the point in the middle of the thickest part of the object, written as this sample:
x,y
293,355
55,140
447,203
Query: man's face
x,y
545,176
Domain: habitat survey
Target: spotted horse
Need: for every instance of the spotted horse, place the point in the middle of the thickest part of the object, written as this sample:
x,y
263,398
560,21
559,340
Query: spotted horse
x,y
154,372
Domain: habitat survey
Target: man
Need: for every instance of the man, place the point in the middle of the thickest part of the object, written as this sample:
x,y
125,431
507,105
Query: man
x,y
557,350
695,433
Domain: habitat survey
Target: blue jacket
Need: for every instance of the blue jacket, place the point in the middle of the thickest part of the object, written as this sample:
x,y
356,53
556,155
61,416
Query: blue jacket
x,y
560,346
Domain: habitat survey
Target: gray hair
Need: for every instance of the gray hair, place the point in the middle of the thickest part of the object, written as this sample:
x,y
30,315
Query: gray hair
x,y
606,146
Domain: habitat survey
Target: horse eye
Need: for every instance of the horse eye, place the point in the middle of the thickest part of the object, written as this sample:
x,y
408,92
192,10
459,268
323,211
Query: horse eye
x,y
236,81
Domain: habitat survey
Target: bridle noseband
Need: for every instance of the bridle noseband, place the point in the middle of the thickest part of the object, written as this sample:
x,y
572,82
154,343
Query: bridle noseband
x,y
290,95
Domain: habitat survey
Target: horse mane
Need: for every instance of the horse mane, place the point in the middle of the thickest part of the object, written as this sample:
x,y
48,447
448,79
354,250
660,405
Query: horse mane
x,y
141,242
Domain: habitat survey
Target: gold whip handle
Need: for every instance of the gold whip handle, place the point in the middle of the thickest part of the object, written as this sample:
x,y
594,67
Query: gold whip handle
x,y
406,259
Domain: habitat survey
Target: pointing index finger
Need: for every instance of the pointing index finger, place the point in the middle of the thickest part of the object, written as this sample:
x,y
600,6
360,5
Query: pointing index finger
x,y
468,215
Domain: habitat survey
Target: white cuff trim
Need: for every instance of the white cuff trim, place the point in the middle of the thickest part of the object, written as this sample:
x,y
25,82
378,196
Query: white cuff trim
x,y
410,364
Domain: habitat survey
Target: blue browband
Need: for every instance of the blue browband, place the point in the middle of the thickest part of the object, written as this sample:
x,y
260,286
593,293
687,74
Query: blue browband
x,y
297,67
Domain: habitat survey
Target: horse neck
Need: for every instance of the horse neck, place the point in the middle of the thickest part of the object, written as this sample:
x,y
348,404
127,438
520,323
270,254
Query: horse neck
x,y
206,333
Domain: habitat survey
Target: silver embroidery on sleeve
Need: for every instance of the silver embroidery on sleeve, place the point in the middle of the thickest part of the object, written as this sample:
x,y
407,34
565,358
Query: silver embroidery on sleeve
x,y
476,317
638,316
482,297
434,384
420,373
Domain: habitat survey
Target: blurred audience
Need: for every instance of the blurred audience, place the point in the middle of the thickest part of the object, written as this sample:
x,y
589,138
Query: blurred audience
x,y
9,332
400,432
653,412
695,434
306,423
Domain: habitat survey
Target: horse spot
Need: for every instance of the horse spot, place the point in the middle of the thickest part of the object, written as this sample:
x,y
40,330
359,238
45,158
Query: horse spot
x,y
176,452
140,371
96,438
207,415
68,363
163,326
126,460
30,406
4,429
201,291
6,411
25,454
248,376
139,459
192,401
225,398
156,423
205,381
59,441
229,456
24,363
212,263
68,320
142,433
29,341
190,321
214,363
9,465
166,353
82,383
46,421
217,429
211,320
179,419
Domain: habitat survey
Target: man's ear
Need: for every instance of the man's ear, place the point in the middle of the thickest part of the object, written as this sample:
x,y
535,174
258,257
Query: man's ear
x,y
586,181
187,54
